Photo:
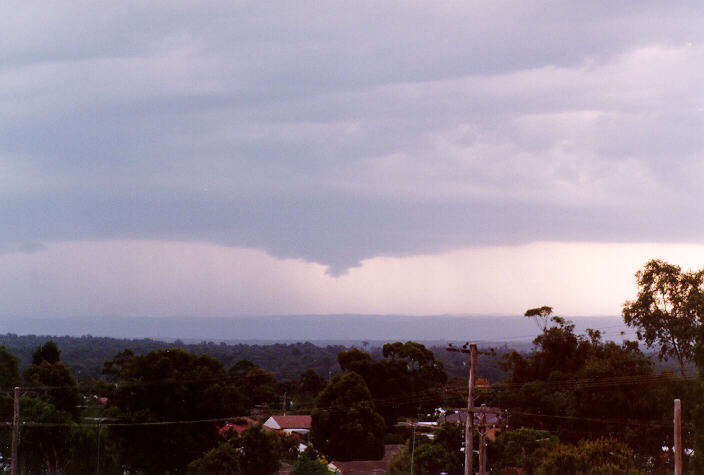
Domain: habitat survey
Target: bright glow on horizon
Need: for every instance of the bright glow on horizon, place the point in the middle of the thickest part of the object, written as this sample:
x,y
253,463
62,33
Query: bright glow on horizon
x,y
167,278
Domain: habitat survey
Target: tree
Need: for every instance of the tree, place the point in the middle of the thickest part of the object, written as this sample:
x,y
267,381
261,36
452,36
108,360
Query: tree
x,y
168,386
51,381
308,463
667,310
698,414
9,378
311,382
48,352
256,384
221,459
54,383
603,455
344,424
442,454
44,447
257,451
406,382
563,379
9,372
541,315
260,451
523,447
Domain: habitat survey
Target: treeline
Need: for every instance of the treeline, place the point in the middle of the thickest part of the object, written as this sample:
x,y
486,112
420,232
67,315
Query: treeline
x,y
85,355
163,411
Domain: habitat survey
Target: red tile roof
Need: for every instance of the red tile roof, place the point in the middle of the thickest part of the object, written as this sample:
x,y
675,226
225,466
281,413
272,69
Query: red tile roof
x,y
293,422
245,423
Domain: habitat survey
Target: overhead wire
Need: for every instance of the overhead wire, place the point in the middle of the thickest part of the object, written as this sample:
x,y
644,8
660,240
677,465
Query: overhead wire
x,y
418,397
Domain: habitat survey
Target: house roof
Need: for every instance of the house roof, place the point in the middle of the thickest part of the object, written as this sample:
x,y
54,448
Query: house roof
x,y
461,417
288,422
355,467
245,422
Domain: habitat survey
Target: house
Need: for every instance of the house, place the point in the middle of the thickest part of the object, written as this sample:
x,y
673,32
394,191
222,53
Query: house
x,y
290,424
493,421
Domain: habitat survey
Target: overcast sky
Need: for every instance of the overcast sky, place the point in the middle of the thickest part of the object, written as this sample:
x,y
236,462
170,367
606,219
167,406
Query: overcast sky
x,y
237,158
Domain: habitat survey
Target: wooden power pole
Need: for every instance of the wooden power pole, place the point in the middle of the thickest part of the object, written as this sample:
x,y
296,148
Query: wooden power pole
x,y
469,424
483,410
469,421
15,430
678,437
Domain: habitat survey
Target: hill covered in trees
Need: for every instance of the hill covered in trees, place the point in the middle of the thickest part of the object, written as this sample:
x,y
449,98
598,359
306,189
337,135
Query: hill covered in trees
x,y
85,355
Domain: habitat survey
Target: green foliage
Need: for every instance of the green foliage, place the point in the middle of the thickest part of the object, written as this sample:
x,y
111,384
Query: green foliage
x,y
441,454
88,448
541,315
344,424
668,309
589,458
560,380
539,452
169,385
311,382
257,385
450,436
86,354
9,372
48,352
44,447
221,459
257,451
407,380
524,448
260,451
698,413
54,383
400,463
51,438
308,463
9,378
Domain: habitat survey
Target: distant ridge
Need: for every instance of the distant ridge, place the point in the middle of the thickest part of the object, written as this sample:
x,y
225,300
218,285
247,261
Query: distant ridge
x,y
306,327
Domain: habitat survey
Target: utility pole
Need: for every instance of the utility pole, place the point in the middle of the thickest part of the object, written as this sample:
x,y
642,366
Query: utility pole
x,y
469,422
483,410
97,465
413,447
482,442
15,430
678,437
283,407
469,425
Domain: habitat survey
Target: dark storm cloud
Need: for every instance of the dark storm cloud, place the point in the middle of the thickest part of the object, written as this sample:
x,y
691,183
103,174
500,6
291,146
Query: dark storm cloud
x,y
336,132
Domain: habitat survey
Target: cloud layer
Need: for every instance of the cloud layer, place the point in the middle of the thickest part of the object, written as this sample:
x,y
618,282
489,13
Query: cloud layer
x,y
343,131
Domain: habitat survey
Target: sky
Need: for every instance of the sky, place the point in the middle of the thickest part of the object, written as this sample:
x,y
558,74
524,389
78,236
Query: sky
x,y
226,158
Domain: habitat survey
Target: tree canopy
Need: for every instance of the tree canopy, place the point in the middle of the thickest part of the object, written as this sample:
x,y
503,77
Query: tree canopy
x,y
345,425
442,454
668,309
561,381
167,386
406,382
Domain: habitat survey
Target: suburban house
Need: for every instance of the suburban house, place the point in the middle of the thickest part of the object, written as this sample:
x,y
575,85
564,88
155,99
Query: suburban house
x,y
290,424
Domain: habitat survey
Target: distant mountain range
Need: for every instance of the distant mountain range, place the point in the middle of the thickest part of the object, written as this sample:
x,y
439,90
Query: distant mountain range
x,y
313,328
